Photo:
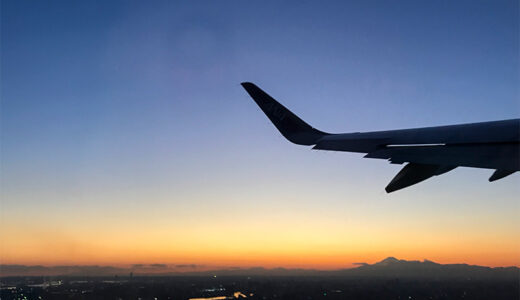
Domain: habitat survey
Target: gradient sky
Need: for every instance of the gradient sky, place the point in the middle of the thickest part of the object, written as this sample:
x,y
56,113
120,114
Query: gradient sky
x,y
126,137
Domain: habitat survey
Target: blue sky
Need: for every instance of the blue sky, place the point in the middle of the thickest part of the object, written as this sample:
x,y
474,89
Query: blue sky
x,y
117,109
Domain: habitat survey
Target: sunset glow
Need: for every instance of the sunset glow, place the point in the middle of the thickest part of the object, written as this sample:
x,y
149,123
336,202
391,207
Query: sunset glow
x,y
127,139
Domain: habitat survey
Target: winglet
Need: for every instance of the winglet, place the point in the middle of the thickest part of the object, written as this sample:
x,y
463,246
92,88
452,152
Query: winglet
x,y
290,126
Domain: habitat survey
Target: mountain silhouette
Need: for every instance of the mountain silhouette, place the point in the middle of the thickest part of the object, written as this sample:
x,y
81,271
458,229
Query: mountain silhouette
x,y
390,267
395,268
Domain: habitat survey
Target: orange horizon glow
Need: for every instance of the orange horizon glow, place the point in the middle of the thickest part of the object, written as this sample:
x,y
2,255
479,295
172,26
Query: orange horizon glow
x,y
291,231
326,245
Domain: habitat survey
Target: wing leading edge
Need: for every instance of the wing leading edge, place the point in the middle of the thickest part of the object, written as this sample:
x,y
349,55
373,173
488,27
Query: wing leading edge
x,y
428,152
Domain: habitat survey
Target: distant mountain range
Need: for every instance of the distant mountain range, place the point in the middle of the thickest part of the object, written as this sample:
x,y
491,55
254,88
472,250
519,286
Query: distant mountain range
x,y
392,267
387,268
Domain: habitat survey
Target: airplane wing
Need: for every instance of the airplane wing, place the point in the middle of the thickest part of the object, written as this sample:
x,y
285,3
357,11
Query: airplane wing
x,y
427,152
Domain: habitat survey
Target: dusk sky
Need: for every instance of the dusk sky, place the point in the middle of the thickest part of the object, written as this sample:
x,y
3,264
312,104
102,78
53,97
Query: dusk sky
x,y
127,138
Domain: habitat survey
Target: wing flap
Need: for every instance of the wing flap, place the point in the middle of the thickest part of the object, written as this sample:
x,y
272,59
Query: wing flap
x,y
414,173
499,174
489,156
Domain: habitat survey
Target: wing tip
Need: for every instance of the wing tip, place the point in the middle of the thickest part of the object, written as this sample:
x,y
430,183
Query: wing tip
x,y
247,84
290,125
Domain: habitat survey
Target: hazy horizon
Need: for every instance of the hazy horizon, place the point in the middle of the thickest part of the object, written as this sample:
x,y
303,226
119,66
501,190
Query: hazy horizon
x,y
126,136
384,265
